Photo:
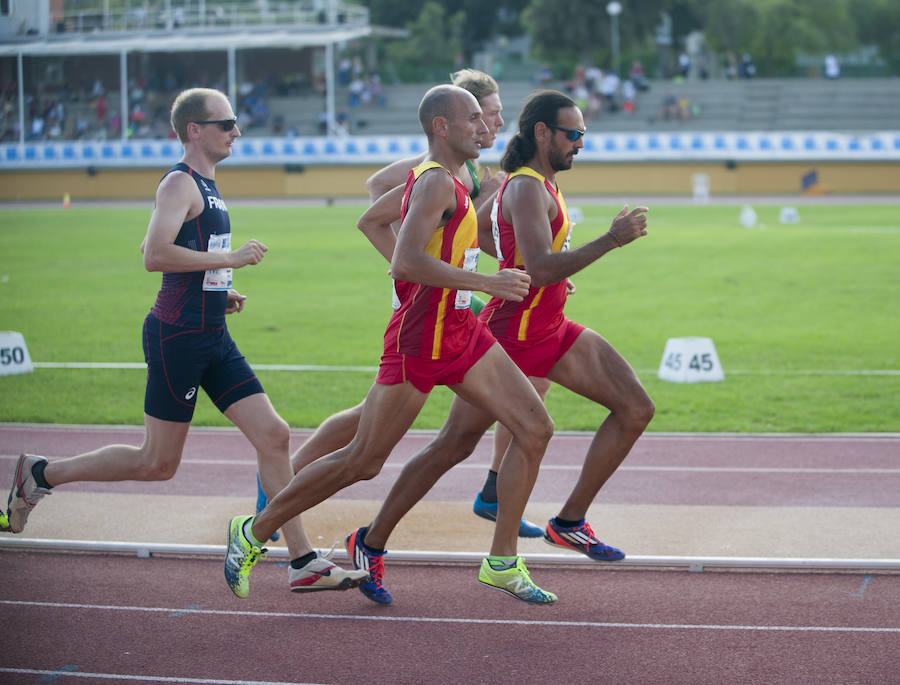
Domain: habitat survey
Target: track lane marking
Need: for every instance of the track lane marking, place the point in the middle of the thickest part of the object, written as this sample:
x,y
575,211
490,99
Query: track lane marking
x,y
466,621
50,676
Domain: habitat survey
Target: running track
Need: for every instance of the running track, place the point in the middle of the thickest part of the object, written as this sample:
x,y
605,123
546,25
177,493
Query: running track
x,y
88,617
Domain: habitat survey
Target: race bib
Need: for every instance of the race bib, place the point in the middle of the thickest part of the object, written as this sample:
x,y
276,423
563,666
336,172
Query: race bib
x,y
470,262
395,298
218,279
495,229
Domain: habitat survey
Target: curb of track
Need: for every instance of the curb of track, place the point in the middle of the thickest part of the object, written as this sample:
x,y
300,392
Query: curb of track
x,y
695,563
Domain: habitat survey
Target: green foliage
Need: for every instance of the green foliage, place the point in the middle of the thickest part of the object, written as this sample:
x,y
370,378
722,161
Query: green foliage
x,y
434,46
798,313
878,22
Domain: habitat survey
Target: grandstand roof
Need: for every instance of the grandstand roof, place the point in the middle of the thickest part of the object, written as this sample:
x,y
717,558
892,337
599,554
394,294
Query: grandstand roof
x,y
186,41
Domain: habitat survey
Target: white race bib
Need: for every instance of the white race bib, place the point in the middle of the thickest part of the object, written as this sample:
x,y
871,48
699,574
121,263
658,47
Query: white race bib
x,y
495,229
218,279
470,263
395,298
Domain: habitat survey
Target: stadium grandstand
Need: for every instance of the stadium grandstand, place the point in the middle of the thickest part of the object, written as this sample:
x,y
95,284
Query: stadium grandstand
x,y
88,85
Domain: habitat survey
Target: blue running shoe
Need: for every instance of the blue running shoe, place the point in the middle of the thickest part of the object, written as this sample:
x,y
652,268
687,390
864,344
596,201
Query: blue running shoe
x,y
364,560
488,510
261,502
581,539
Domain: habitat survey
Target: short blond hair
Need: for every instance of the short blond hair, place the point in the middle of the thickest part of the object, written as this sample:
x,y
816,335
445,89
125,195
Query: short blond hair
x,y
191,105
476,82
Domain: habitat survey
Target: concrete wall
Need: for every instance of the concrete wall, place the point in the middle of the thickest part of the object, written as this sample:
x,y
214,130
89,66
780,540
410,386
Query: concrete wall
x,y
583,179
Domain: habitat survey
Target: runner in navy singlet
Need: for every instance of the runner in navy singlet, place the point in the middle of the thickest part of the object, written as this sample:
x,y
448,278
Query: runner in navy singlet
x,y
187,346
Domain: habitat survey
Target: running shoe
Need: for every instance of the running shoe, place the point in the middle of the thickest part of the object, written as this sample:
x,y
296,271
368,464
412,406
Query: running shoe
x,y
488,510
24,494
514,581
365,560
582,539
261,502
322,574
240,557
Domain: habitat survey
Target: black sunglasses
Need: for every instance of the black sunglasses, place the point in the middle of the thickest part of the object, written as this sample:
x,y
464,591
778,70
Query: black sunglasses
x,y
226,124
572,134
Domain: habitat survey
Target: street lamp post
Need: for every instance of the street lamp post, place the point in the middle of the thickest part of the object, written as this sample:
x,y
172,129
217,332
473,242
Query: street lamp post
x,y
614,9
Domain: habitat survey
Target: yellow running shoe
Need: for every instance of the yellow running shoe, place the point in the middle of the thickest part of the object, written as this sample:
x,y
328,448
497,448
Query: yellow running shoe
x,y
240,557
514,581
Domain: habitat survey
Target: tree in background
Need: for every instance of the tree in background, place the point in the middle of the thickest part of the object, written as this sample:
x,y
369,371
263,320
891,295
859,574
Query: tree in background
x,y
434,48
879,25
565,33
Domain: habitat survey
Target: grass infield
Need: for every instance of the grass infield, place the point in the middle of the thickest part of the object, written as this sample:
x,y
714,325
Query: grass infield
x,y
804,316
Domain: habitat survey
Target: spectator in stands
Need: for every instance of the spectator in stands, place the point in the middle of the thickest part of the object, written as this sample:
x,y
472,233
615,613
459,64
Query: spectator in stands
x,y
628,95
684,107
609,89
37,128
746,68
115,125
637,76
344,67
684,65
669,108
544,75
731,69
81,127
593,78
357,86
832,66
100,109
376,90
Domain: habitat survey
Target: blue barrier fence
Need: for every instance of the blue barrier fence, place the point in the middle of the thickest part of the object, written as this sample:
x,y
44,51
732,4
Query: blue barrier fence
x,y
881,146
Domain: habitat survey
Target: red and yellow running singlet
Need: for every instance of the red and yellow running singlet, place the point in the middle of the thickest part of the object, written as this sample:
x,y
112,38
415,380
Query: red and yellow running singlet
x,y
436,323
541,312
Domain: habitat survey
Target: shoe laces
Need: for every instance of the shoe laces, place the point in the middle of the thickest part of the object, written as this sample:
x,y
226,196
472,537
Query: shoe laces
x,y
330,553
252,556
376,569
587,530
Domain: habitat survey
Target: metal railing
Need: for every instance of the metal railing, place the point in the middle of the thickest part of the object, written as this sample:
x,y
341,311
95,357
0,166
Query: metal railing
x,y
104,16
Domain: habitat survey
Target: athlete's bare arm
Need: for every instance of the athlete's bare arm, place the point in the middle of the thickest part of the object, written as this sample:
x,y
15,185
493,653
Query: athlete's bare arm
x,y
178,200
392,175
432,202
378,221
531,209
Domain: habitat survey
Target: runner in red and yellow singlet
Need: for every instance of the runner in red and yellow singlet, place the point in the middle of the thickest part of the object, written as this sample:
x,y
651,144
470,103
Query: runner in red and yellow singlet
x,y
433,338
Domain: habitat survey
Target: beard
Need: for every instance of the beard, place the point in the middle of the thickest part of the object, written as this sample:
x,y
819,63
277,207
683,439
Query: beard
x,y
560,161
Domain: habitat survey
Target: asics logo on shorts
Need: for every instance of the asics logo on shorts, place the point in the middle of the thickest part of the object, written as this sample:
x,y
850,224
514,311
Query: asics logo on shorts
x,y
190,394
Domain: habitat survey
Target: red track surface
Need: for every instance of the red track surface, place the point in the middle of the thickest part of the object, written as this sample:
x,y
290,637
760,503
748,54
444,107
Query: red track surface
x,y
172,619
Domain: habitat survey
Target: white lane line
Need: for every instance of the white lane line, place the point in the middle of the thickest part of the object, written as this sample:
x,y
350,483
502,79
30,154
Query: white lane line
x,y
373,369
50,676
464,621
480,466
231,431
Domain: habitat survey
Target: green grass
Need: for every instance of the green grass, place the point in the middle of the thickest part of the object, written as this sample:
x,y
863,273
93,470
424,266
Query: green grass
x,y
793,310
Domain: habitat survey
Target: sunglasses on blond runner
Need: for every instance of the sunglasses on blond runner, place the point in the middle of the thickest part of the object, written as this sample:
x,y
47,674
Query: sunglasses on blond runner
x,y
572,134
226,124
